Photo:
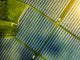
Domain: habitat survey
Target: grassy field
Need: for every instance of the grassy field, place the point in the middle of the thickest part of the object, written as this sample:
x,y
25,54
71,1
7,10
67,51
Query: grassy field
x,y
3,10
14,10
10,10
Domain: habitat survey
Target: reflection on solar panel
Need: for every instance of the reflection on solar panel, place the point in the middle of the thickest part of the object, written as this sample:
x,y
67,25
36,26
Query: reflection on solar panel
x,y
72,19
48,30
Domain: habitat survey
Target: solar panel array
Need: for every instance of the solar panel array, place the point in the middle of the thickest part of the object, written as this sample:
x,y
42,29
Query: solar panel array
x,y
43,35
72,19
52,8
11,49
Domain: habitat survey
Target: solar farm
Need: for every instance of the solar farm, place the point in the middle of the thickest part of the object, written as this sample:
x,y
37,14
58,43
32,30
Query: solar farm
x,y
40,29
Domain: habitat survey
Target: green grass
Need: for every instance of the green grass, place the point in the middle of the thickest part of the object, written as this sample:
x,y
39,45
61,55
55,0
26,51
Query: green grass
x,y
10,11
14,10
3,10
